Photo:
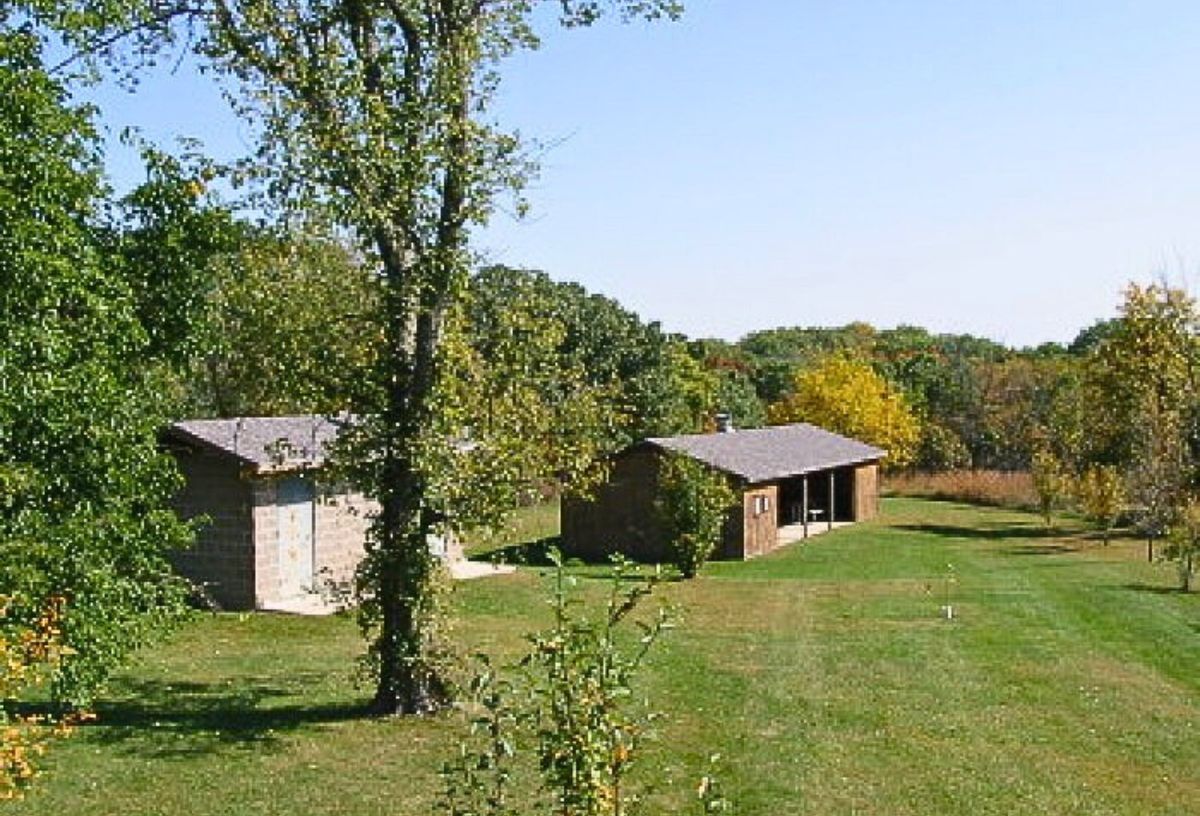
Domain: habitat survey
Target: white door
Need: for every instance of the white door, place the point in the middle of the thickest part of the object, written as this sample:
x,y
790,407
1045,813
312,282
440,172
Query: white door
x,y
295,525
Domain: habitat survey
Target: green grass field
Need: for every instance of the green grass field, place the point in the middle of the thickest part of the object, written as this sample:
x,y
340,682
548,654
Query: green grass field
x,y
1067,683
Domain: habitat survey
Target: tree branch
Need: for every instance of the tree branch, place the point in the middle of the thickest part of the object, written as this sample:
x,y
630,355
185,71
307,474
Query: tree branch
x,y
102,44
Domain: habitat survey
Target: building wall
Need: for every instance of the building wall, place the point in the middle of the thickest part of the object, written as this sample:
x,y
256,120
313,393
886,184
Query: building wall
x,y
222,559
340,522
267,577
341,533
236,555
759,533
866,492
620,517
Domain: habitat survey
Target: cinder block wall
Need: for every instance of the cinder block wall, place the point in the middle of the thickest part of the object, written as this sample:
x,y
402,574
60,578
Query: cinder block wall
x,y
342,519
222,559
266,541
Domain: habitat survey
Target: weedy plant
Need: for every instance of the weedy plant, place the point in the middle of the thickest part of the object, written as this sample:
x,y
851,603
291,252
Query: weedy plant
x,y
567,714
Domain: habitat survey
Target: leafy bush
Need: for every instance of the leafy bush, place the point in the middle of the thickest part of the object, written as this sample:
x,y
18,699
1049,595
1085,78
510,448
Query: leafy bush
x,y
692,504
571,703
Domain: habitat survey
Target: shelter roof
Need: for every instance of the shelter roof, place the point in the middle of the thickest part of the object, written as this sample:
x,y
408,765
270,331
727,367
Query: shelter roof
x,y
777,452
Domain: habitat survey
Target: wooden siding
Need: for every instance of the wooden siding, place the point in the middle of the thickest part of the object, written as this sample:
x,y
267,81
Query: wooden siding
x,y
620,517
759,531
866,492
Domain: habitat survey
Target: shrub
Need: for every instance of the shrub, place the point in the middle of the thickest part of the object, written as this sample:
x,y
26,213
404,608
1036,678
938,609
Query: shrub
x,y
692,504
571,703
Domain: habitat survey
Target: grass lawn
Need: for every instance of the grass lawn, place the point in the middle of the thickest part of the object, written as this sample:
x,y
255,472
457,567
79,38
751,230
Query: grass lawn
x,y
1067,683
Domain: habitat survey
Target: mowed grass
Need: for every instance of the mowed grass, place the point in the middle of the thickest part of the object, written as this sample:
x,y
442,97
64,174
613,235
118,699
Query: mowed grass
x,y
1068,682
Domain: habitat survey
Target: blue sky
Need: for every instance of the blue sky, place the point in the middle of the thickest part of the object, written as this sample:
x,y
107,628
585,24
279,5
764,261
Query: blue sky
x,y
1000,168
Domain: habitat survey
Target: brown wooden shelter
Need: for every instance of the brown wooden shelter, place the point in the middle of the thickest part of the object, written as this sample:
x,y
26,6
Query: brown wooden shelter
x,y
794,481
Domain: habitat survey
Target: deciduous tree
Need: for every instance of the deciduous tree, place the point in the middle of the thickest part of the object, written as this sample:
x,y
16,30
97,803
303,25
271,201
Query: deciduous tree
x,y
1183,544
1102,497
83,485
377,113
846,396
292,323
1050,482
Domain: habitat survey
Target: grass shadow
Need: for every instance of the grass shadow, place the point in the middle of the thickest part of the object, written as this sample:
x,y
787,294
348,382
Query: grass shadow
x,y
527,553
537,554
186,719
990,532
1154,589
1040,549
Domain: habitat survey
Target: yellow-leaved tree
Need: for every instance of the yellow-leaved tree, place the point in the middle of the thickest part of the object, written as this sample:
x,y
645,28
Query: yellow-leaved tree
x,y
847,396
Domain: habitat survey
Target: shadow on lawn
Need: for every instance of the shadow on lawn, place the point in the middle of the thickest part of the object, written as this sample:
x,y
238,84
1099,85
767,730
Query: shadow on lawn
x,y
185,719
991,532
1062,544
1156,589
528,553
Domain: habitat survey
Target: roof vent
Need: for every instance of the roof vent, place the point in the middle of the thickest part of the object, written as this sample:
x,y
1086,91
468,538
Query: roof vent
x,y
724,423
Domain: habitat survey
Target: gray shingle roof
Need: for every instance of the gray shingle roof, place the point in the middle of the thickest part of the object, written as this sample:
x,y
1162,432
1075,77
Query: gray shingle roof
x,y
766,454
266,443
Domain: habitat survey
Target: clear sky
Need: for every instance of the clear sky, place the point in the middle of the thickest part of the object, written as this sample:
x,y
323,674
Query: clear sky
x,y
1001,168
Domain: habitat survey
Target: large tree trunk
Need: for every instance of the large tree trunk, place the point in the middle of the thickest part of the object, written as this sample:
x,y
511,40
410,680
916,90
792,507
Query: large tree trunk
x,y
409,680
421,283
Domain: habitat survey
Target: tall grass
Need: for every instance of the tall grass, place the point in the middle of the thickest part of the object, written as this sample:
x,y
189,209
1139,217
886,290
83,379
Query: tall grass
x,y
991,487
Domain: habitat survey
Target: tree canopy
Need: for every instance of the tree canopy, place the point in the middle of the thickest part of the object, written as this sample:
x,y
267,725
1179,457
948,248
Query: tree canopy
x,y
846,396
83,486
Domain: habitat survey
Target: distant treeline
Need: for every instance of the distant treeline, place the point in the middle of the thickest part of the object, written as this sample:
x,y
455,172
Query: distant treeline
x,y
292,323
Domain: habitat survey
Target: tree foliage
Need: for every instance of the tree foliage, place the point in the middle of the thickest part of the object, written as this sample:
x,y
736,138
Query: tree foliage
x,y
1050,482
292,322
170,234
1145,370
1158,471
692,504
846,396
1183,544
83,486
1102,497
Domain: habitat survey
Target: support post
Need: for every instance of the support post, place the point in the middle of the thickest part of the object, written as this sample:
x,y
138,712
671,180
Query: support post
x,y
804,506
830,521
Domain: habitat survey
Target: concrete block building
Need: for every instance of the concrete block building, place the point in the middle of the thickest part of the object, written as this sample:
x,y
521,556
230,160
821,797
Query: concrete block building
x,y
793,481
276,526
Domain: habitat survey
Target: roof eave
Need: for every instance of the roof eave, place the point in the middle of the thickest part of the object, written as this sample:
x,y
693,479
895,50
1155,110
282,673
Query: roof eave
x,y
210,447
